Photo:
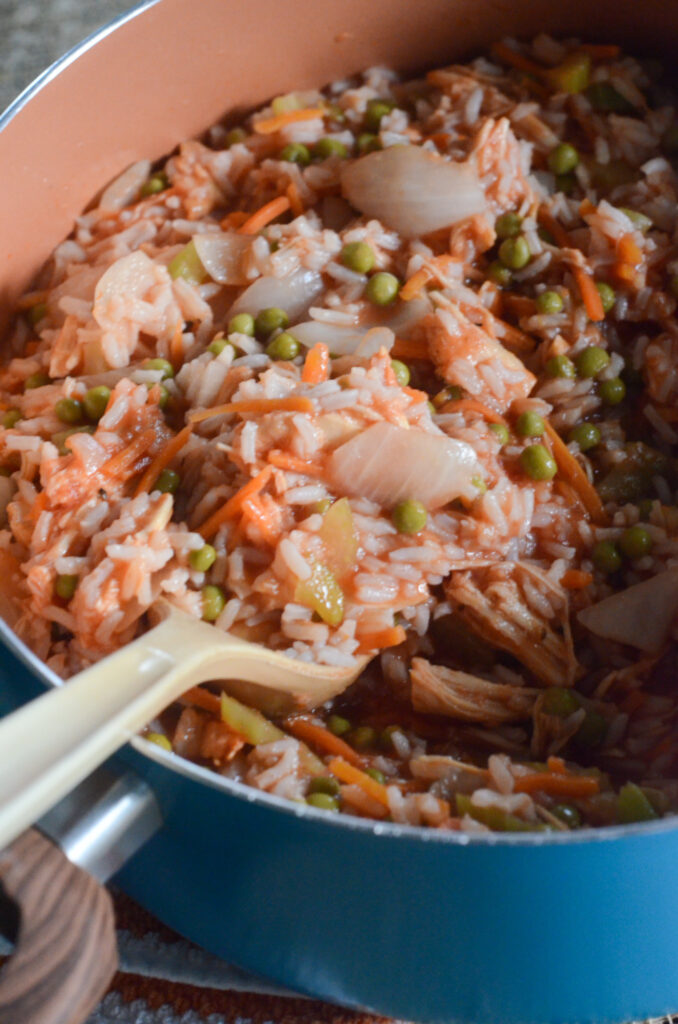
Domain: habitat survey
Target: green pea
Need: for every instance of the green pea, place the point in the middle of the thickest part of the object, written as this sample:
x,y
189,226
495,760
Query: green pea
x,y
324,784
549,303
203,558
387,734
338,725
604,98
586,435
500,274
409,516
560,701
167,482
568,814
635,542
530,424
320,507
159,739
612,391
607,295
382,288
566,183
36,380
69,410
358,256
605,556
563,159
431,408
561,366
296,153
501,432
156,183
242,323
213,601
234,136
633,805
376,110
37,312
269,320
592,731
217,346
367,143
591,361
401,371
508,225
363,737
160,364
285,347
323,801
328,147
514,252
65,586
188,265
546,235
375,774
573,74
538,463
639,220
163,401
670,140
11,418
479,484
95,401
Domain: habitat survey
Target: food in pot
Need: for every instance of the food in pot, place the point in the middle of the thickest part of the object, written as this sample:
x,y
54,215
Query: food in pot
x,y
386,369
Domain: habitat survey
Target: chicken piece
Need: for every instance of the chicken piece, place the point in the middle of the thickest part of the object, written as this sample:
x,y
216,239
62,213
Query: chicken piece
x,y
466,355
517,608
445,691
502,165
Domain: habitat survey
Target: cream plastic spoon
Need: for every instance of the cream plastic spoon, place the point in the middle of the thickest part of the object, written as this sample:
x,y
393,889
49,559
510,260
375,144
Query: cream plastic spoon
x,y
54,742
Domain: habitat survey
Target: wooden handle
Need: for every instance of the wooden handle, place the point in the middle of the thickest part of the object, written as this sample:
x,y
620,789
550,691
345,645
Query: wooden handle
x,y
65,949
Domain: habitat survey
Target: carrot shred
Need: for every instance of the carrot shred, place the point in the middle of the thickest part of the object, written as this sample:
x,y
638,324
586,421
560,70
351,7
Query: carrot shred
x,y
577,787
266,516
234,505
516,60
601,51
125,459
235,219
321,738
576,579
416,283
163,459
316,365
293,464
177,349
270,125
296,204
255,405
585,283
473,405
575,475
390,637
518,305
347,773
556,765
629,258
203,699
264,215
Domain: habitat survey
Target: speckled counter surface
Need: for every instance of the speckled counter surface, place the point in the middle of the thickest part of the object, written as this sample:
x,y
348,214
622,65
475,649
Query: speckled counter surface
x,y
33,33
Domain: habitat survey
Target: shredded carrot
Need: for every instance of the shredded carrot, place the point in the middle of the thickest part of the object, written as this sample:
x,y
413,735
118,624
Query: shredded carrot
x,y
518,305
125,459
293,464
321,738
266,515
235,503
600,51
347,773
382,638
296,204
177,348
576,579
556,765
235,219
264,215
406,349
473,405
163,459
577,787
587,286
416,283
516,60
270,125
255,405
203,699
629,258
316,365
575,475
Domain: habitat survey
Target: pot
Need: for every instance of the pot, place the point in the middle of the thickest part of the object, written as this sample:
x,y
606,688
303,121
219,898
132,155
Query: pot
x,y
573,928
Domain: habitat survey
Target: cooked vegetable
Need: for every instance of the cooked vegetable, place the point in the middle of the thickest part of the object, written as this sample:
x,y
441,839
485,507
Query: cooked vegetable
x,y
514,253
586,435
95,401
605,556
501,432
633,805
167,482
607,295
640,616
188,265
296,153
294,293
69,410
612,391
203,559
11,418
339,538
248,722
573,74
604,98
36,380
412,190
500,274
382,289
494,817
242,323
363,737
548,303
401,371
221,255
635,542
65,586
328,147
156,183
563,159
338,725
358,256
322,593
213,601
538,462
324,784
590,361
409,516
530,424
508,225
284,346
160,364
561,366
323,801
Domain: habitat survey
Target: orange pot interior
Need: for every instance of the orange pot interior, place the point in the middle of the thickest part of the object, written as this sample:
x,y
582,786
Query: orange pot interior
x,y
179,66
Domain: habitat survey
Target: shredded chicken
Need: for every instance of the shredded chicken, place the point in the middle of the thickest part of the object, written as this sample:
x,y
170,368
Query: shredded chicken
x,y
445,691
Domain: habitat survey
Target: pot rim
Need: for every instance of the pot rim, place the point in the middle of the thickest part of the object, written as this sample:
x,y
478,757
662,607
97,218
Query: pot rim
x,y
173,762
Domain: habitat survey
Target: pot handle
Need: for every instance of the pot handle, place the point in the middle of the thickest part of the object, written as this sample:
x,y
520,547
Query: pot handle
x,y
65,953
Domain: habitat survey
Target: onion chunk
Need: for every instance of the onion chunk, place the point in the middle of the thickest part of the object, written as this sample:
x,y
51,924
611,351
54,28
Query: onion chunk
x,y
640,616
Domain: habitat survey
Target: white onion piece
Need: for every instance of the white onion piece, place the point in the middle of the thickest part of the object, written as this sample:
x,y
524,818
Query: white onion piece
x,y
126,186
408,314
412,190
295,294
388,464
221,254
374,340
344,341
641,615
